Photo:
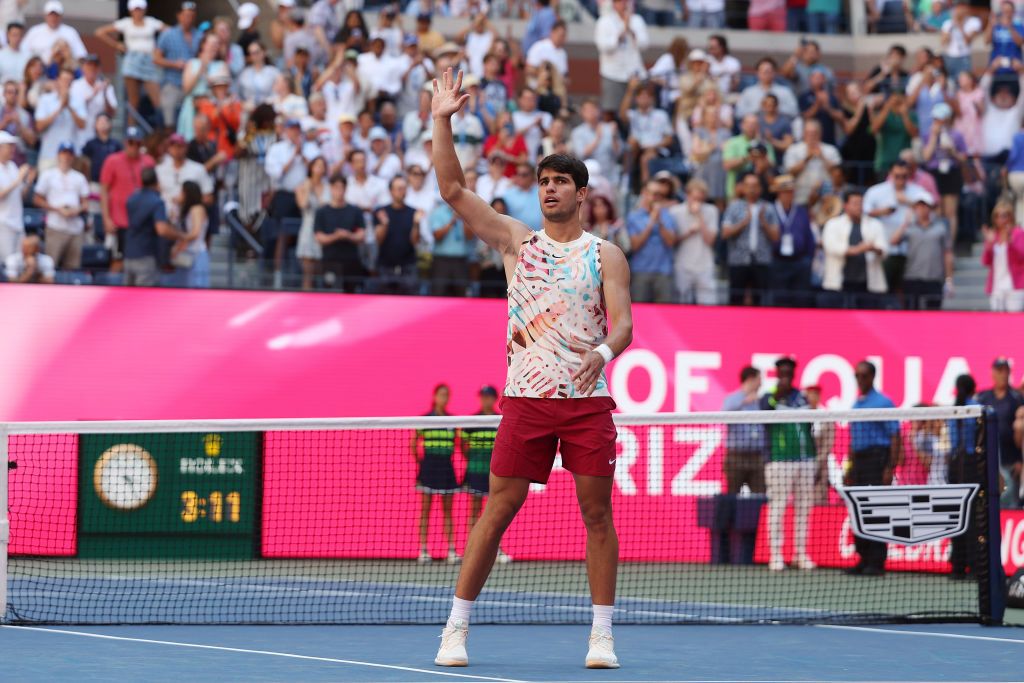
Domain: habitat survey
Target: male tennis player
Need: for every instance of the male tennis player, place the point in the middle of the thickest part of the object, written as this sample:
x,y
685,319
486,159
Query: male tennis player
x,y
565,286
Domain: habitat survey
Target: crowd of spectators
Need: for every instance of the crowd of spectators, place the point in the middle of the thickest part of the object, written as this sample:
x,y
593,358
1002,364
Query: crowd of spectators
x,y
310,132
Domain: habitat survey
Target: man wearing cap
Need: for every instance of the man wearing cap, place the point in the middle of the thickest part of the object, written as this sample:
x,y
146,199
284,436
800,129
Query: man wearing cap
x,y
381,161
693,83
63,193
790,469
248,15
286,165
924,236
40,39
147,222
174,48
892,203
478,445
791,270
96,94
417,69
59,118
550,50
14,184
620,37
1005,400
737,151
120,177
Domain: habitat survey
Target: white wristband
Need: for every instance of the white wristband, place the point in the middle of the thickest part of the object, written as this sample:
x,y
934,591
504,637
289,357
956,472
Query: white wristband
x,y
605,352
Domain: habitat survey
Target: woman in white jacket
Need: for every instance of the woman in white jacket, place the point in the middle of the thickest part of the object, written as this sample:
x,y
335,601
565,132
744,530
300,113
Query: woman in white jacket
x,y
854,246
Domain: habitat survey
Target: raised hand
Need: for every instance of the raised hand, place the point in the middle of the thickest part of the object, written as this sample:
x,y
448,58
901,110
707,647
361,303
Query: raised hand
x,y
448,97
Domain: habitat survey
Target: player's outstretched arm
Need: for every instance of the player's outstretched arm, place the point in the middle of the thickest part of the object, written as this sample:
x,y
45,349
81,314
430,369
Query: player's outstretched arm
x,y
498,232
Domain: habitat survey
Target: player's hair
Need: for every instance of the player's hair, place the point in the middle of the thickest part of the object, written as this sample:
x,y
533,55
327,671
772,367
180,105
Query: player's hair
x,y
749,372
563,163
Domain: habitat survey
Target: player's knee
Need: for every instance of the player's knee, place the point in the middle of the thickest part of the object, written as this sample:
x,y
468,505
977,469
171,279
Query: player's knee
x,y
597,517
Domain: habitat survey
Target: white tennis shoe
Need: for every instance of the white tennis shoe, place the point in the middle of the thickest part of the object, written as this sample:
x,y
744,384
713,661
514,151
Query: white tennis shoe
x,y
601,654
453,645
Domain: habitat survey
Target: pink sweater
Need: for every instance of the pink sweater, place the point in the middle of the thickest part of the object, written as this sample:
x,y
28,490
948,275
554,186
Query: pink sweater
x,y
1014,255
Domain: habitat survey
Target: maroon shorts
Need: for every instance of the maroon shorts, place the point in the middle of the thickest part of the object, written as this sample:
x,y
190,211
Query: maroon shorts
x,y
533,429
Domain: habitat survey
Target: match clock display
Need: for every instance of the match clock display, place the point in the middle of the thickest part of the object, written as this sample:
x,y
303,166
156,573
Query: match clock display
x,y
169,495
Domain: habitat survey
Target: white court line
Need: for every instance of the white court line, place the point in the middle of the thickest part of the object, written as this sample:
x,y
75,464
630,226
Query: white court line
x,y
958,636
289,655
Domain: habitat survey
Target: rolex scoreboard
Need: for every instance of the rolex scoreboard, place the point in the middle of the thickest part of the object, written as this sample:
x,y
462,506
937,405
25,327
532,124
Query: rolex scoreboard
x,y
169,495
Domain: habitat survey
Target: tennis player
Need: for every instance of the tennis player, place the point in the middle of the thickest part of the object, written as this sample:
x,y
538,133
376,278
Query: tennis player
x,y
564,288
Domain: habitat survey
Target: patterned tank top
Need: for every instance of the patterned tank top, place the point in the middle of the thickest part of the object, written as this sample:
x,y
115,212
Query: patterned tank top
x,y
556,314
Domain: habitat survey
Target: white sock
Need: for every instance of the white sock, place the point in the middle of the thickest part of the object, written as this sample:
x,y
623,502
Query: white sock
x,y
603,617
460,610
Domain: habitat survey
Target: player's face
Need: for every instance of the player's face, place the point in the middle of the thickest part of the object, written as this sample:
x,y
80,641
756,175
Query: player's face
x,y
559,198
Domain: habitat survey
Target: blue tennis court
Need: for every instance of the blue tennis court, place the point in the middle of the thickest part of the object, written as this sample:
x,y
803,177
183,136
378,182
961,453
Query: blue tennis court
x,y
512,653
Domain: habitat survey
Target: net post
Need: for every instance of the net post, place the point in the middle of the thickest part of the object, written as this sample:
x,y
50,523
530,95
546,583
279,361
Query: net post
x,y
993,590
5,525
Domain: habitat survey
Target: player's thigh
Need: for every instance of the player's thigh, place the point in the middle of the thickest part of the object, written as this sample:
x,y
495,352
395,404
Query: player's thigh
x,y
587,434
526,443
595,498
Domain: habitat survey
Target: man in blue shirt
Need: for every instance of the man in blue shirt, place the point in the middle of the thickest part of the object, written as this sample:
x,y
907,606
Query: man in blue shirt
x,y
147,222
652,234
539,27
521,199
450,268
174,48
1005,400
744,443
875,451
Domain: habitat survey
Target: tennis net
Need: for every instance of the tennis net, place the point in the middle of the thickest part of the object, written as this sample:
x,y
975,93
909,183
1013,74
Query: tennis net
x,y
319,521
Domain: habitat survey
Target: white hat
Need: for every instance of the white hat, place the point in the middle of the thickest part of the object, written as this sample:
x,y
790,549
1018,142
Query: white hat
x,y
7,139
697,55
136,4
53,7
377,133
286,3
247,13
